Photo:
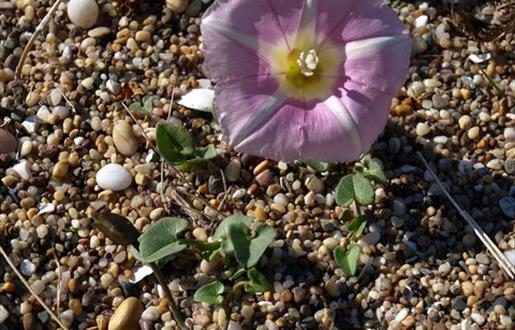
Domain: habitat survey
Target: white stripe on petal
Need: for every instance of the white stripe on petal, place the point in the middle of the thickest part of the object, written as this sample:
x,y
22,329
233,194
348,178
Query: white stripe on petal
x,y
338,109
270,105
309,13
251,42
365,46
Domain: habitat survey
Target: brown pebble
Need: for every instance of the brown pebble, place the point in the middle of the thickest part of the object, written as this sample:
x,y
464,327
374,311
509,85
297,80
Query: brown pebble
x,y
260,214
75,306
8,142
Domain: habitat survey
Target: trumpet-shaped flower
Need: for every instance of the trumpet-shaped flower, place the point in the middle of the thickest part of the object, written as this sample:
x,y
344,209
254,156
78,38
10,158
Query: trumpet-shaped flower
x,y
304,79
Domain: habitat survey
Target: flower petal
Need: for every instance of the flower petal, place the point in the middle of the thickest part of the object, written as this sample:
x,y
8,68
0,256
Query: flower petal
x,y
369,108
380,62
356,20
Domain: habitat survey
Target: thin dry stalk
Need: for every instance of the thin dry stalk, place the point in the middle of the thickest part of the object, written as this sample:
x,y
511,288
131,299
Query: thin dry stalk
x,y
41,26
67,100
504,263
27,285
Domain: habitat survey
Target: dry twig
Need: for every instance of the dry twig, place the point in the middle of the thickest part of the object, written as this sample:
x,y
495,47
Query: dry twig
x,y
504,263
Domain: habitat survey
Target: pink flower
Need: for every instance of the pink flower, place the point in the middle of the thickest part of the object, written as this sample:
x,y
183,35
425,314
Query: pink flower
x,y
304,79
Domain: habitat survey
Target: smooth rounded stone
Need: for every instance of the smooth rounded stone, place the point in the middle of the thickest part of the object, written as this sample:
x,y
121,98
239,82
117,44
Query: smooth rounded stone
x,y
38,286
8,142
281,199
43,114
473,132
25,307
232,170
27,267
114,177
99,32
4,314
465,166
403,313
124,139
399,207
29,321
422,129
495,164
151,313
441,139
314,184
445,268
247,311
200,234
54,97
421,21
60,169
459,303
416,89
83,13
509,166
507,205
177,6
371,238
61,111
265,178
478,318
419,45
126,315
26,148
23,169
439,102
509,134
331,243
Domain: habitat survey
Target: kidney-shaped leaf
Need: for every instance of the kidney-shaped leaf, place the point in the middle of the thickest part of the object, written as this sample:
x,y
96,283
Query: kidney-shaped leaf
x,y
354,188
118,228
264,236
160,239
374,170
257,282
174,142
348,262
238,237
210,293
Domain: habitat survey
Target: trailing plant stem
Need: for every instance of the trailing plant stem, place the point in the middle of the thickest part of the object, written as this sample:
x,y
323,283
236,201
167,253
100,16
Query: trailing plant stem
x,y
173,305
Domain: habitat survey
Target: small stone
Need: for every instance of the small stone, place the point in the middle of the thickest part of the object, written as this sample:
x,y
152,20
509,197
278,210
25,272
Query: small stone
x,y
403,313
234,326
439,102
54,97
124,139
43,114
473,133
422,129
333,289
509,166
29,321
114,177
61,112
27,267
99,32
83,13
445,268
126,315
142,36
232,170
459,303
441,139
495,164
23,169
421,21
152,313
177,6
8,142
75,306
509,134
200,234
371,238
4,314
60,169
265,178
331,243
314,184
30,124
88,82
507,205
478,318
38,286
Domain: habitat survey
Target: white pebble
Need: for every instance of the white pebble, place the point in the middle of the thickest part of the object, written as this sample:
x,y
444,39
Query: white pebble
x,y
114,177
83,13
23,169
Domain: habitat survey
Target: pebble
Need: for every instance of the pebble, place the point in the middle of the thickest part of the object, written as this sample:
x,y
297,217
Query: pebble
x,y
371,238
439,102
99,32
507,205
265,178
60,169
473,133
421,21
8,142
177,6
422,129
23,169
27,267
126,315
314,184
114,177
232,170
4,314
83,13
509,166
124,139
495,164
403,313
151,313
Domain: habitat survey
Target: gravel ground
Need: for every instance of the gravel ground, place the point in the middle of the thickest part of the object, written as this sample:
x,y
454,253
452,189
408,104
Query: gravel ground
x,y
422,267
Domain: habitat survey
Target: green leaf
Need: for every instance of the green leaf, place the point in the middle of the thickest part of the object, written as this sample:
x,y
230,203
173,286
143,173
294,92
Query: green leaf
x,y
358,225
174,142
221,230
164,252
238,237
237,274
317,166
374,170
143,108
118,228
257,282
210,293
264,236
160,239
202,246
208,152
134,251
348,261
354,188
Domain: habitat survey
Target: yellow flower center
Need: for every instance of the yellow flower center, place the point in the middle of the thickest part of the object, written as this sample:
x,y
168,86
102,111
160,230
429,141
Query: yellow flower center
x,y
306,71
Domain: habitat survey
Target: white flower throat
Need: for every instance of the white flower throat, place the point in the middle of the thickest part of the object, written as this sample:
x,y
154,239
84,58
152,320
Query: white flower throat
x,y
308,62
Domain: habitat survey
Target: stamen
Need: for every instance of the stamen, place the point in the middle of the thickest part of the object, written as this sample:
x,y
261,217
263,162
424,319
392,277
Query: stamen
x,y
307,62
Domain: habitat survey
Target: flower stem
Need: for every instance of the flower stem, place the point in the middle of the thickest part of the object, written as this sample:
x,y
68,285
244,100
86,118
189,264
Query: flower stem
x,y
173,305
